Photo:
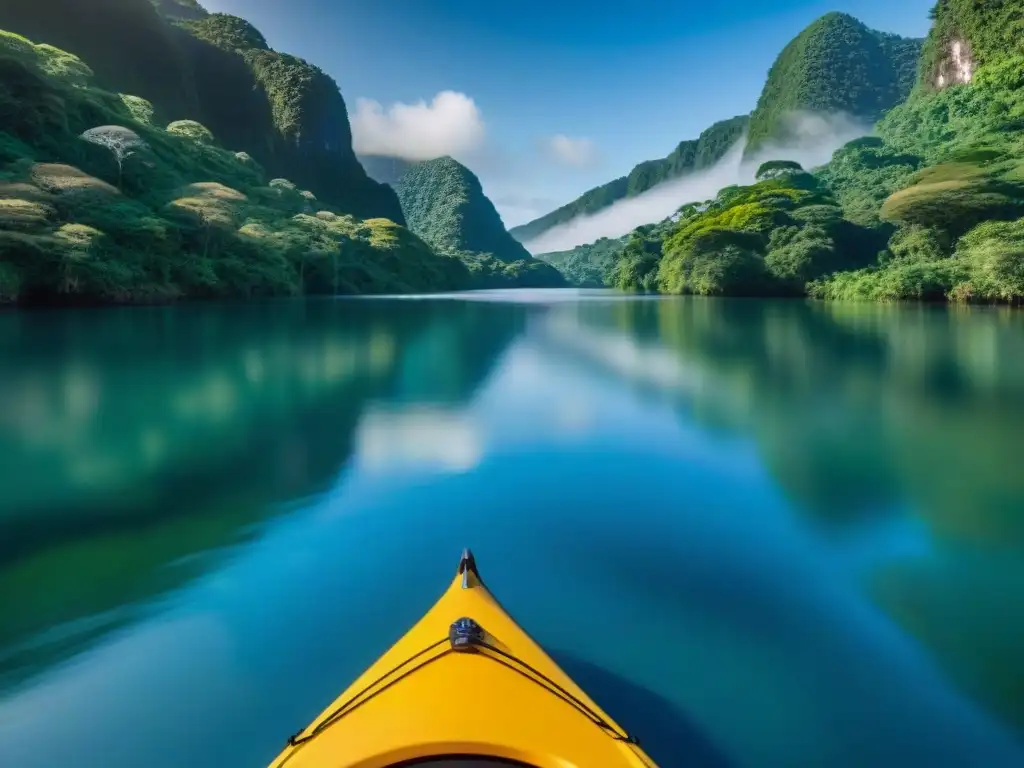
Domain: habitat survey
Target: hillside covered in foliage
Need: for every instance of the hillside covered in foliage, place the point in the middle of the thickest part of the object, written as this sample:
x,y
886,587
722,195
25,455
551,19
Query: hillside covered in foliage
x,y
152,151
687,157
587,266
931,207
217,70
100,201
836,65
444,203
944,177
770,238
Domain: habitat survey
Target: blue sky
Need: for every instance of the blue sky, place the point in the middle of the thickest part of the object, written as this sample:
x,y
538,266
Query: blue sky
x,y
618,86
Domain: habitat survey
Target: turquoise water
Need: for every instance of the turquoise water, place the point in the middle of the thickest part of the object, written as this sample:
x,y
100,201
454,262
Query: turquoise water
x,y
758,533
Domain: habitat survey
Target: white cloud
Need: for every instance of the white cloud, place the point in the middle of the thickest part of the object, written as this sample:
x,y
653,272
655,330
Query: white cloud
x,y
816,137
575,152
451,124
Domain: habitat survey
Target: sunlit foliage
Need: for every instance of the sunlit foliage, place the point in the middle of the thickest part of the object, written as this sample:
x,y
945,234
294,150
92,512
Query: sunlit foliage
x,y
835,65
99,205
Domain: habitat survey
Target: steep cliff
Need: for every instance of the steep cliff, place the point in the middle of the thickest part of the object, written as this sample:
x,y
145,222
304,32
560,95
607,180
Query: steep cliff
x,y
444,203
100,204
446,206
217,70
308,138
837,64
126,42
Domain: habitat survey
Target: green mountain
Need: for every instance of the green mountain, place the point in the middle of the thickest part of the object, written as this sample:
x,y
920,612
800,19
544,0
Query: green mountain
x,y
100,203
837,64
446,206
967,36
945,174
444,203
931,208
686,158
217,70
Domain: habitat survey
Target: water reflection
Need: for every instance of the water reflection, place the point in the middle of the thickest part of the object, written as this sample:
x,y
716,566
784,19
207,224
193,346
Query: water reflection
x,y
863,415
786,533
134,439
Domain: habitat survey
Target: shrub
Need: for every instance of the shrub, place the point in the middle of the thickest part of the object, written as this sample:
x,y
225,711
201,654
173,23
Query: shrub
x,y
190,129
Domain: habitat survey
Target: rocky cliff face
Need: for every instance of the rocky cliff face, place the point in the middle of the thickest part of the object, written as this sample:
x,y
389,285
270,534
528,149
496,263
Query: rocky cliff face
x,y
956,66
970,35
218,70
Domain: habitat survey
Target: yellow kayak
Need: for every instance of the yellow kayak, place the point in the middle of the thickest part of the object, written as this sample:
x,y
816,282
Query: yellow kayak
x,y
466,687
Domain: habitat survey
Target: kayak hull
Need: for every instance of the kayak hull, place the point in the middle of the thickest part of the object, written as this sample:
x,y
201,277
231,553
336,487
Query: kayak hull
x,y
465,681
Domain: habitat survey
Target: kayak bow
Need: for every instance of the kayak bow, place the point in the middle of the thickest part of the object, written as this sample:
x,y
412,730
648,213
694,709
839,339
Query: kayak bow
x,y
466,687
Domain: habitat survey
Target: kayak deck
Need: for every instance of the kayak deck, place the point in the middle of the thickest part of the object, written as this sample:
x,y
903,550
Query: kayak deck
x,y
466,683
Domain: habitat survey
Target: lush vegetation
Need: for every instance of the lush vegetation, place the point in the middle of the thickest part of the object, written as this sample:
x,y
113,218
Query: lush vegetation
x,y
989,34
446,206
216,70
688,157
930,208
97,203
297,123
835,65
945,174
587,266
770,238
191,160
444,203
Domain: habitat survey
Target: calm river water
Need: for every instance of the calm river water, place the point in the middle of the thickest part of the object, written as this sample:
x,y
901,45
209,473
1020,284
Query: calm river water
x,y
758,533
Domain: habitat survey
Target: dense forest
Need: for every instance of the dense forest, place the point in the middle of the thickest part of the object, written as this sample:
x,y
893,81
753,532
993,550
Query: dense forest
x,y
928,208
444,203
217,70
835,65
153,151
587,265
